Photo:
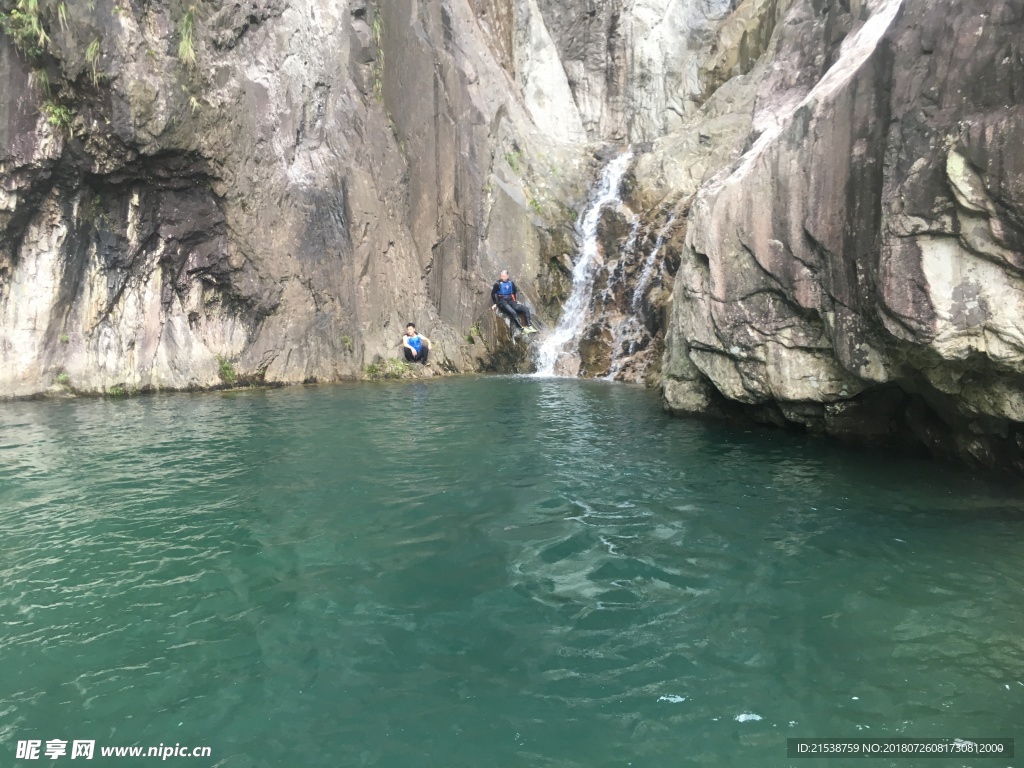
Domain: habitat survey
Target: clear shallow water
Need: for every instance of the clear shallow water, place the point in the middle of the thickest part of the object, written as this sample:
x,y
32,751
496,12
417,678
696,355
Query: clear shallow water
x,y
476,572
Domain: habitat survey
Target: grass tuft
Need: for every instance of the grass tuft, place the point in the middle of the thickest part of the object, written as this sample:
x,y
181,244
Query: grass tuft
x,y
391,368
58,115
227,371
186,46
515,162
92,55
25,28
40,82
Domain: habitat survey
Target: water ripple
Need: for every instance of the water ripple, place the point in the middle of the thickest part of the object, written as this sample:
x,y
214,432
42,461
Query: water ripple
x,y
493,571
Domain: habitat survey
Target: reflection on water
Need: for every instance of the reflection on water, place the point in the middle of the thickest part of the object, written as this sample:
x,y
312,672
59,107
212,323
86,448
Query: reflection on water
x,y
489,572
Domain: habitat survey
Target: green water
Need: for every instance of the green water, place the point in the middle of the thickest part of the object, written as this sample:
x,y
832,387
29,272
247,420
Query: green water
x,y
489,572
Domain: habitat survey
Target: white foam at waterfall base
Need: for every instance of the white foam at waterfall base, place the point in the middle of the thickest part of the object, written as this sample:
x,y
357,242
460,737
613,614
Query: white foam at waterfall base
x,y
564,339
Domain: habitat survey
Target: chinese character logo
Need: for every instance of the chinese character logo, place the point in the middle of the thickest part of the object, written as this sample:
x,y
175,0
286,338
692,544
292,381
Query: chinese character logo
x,y
82,749
55,748
28,750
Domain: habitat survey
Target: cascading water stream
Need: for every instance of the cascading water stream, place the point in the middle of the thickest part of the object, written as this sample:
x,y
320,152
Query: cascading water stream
x,y
652,259
628,332
565,337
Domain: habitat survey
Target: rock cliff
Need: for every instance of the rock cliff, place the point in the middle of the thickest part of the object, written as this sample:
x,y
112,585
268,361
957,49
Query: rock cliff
x,y
822,224
199,194
857,270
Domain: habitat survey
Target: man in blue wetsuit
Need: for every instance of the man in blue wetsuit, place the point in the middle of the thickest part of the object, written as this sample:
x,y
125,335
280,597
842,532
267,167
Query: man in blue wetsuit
x,y
504,295
415,346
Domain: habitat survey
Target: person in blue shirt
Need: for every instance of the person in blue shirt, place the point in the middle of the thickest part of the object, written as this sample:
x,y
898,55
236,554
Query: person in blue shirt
x,y
504,295
415,346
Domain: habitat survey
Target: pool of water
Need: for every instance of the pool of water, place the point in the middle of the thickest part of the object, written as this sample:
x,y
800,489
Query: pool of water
x,y
489,572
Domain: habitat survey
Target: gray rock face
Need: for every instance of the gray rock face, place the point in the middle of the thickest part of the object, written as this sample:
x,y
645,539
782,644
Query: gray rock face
x,y
637,70
275,211
857,271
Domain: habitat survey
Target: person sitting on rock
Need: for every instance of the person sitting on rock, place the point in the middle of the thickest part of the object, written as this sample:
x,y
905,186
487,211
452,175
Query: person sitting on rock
x,y
504,294
415,346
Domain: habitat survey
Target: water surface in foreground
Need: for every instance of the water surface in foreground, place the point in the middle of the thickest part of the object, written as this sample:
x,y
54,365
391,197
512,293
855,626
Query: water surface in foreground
x,y
489,572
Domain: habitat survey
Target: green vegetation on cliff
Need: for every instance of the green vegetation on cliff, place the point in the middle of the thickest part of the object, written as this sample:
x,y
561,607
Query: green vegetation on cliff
x,y
25,24
391,368
186,45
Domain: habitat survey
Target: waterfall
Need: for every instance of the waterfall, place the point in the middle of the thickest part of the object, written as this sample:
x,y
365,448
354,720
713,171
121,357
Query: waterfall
x,y
565,337
652,259
629,335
